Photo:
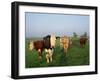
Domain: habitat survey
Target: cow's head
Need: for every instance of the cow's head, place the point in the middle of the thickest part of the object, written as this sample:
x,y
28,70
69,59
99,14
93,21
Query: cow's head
x,y
31,45
53,40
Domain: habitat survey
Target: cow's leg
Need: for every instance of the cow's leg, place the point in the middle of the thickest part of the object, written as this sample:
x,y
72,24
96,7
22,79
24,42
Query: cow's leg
x,y
84,43
50,54
65,49
51,57
39,51
47,57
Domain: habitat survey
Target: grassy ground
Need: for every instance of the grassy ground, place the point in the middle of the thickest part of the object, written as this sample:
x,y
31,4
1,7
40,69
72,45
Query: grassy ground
x,y
75,56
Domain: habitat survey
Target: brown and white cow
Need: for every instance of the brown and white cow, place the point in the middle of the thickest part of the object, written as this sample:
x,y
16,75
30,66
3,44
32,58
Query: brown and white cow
x,y
47,44
38,46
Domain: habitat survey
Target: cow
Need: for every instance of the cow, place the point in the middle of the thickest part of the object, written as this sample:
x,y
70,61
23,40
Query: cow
x,y
49,44
64,43
37,45
83,41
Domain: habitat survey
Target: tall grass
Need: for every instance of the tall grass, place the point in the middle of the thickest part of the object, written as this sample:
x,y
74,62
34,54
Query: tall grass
x,y
75,56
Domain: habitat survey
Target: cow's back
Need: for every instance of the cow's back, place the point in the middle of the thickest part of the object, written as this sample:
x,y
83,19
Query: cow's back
x,y
38,44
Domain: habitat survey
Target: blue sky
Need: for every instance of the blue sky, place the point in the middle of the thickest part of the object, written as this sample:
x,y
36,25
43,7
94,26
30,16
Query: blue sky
x,y
42,24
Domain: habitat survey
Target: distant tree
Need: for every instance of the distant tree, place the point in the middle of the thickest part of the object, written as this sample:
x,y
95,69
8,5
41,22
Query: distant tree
x,y
75,34
84,35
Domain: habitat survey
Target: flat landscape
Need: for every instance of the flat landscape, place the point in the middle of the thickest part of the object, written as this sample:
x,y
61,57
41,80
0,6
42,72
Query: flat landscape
x,y
76,55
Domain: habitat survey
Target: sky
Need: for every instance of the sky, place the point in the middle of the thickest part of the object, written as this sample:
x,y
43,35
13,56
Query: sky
x,y
42,24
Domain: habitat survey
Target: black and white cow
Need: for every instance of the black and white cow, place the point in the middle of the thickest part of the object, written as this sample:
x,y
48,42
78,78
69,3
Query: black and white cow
x,y
49,44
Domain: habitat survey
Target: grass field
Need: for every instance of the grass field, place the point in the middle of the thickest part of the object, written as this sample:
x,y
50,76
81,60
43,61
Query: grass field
x,y
75,56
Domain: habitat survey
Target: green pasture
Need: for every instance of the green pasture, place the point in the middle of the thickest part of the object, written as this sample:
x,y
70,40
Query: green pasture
x,y
76,55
